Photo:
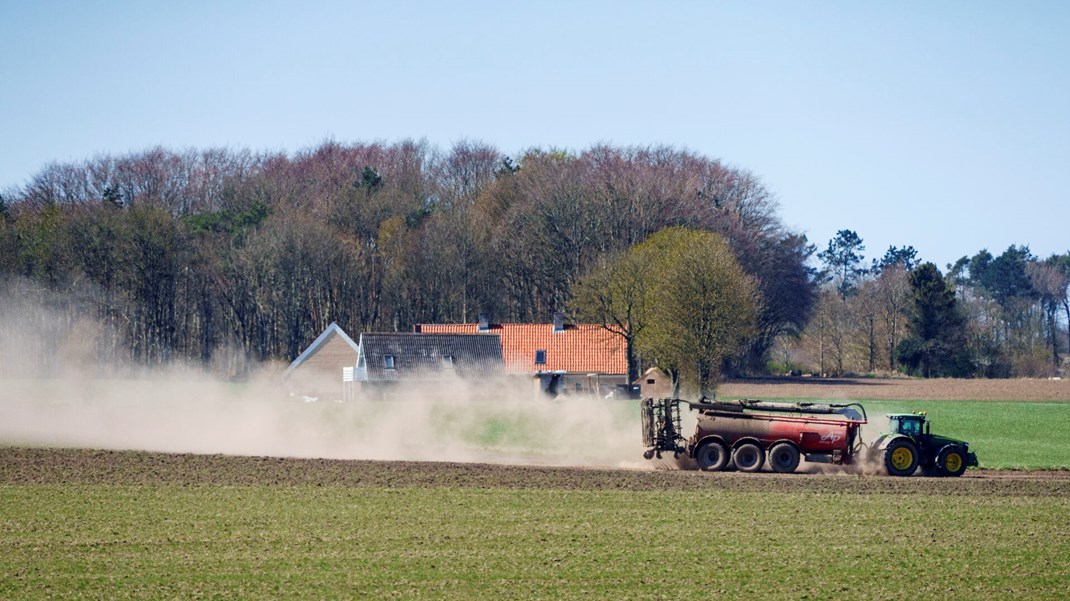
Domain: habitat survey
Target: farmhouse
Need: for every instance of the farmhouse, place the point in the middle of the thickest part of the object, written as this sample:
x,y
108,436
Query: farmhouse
x,y
316,374
334,367
562,358
385,359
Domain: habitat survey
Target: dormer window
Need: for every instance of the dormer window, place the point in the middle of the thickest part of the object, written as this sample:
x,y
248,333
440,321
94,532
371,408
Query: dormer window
x,y
388,362
447,361
540,357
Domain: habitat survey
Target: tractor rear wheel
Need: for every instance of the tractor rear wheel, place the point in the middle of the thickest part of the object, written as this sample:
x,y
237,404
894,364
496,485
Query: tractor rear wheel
x,y
784,458
748,457
950,462
901,457
712,456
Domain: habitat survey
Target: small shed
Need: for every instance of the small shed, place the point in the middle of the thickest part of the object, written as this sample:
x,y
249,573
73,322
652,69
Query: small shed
x,y
316,374
654,384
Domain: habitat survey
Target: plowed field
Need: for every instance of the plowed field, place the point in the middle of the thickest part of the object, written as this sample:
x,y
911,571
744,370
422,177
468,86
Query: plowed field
x,y
86,467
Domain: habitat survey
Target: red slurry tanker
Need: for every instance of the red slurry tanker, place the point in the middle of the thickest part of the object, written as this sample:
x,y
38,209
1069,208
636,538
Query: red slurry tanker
x,y
742,433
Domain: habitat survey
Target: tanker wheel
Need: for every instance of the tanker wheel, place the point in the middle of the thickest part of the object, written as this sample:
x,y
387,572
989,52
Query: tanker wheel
x,y
748,457
950,462
784,458
712,456
901,457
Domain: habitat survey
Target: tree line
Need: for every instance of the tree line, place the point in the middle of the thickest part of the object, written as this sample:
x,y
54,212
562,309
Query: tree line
x,y
229,258
226,259
984,316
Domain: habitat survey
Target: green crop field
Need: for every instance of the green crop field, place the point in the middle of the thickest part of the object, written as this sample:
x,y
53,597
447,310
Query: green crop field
x,y
1016,435
1019,435
125,525
1011,424
1005,435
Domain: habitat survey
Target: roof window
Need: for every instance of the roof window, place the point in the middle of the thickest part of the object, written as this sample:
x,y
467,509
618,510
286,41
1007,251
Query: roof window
x,y
388,362
540,357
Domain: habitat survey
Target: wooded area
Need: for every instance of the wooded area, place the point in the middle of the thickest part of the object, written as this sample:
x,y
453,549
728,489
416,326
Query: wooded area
x,y
225,259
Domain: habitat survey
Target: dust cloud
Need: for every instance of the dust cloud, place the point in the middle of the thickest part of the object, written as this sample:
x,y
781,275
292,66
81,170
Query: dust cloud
x,y
64,402
184,412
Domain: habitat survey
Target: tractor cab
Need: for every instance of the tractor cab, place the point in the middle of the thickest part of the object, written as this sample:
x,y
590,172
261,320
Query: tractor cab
x,y
914,425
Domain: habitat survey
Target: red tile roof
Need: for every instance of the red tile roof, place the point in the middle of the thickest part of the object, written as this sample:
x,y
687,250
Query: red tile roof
x,y
578,348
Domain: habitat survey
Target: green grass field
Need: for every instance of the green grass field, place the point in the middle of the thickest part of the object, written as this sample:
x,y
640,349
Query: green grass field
x,y
299,542
1004,434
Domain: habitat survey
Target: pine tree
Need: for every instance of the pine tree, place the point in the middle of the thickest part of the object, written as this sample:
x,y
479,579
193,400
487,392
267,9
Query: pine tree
x,y
843,259
937,344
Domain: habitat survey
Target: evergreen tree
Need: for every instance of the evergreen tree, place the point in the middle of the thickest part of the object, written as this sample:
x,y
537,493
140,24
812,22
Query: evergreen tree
x,y
937,344
1004,277
842,260
906,257
113,197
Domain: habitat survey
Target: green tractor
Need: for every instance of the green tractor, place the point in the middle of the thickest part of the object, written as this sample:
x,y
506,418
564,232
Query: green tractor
x,y
908,444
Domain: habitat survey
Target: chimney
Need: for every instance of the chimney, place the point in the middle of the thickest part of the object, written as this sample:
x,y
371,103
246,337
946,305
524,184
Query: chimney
x,y
484,325
559,322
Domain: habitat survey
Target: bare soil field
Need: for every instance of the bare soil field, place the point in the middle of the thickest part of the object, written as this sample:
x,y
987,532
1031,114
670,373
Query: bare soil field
x,y
898,389
26,466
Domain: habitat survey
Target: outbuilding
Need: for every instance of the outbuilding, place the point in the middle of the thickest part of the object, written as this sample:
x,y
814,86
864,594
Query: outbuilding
x,y
316,374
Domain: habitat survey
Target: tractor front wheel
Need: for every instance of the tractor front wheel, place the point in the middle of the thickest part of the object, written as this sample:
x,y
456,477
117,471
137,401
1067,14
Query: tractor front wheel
x,y
748,457
712,456
950,462
901,457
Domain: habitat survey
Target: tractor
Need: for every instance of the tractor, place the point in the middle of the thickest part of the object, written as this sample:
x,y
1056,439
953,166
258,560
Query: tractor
x,y
908,444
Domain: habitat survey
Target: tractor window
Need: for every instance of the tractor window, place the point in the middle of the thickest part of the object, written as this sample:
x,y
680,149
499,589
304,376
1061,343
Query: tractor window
x,y
910,427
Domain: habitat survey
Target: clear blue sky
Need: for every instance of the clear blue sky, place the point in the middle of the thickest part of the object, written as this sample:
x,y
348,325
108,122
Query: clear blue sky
x,y
944,125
